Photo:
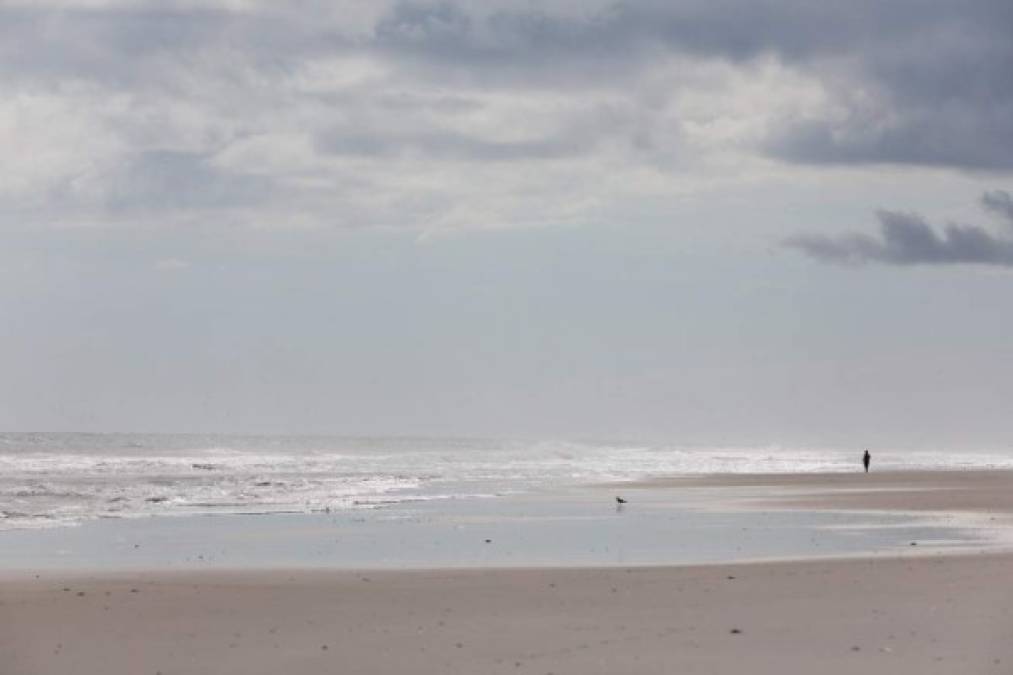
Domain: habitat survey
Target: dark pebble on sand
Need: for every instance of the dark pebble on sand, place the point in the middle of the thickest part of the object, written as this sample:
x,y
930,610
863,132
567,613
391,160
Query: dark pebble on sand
x,y
856,648
80,594
730,577
324,647
735,631
914,543
488,541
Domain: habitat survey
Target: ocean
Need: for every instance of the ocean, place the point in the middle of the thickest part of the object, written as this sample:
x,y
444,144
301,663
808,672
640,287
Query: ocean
x,y
54,479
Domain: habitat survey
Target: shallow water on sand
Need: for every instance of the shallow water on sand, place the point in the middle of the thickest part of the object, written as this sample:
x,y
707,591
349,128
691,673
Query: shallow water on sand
x,y
578,527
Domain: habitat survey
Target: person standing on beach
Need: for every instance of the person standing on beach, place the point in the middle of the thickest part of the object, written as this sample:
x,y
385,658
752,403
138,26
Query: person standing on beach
x,y
866,458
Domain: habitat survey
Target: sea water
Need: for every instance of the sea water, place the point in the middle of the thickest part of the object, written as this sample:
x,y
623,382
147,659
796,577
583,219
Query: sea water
x,y
53,479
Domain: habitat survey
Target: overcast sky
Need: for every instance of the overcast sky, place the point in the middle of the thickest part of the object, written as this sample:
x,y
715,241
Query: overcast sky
x,y
704,221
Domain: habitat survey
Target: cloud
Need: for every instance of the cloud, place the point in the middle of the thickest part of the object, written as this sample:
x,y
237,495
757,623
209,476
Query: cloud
x,y
160,180
485,113
450,146
936,92
122,46
967,139
630,32
889,98
999,202
907,239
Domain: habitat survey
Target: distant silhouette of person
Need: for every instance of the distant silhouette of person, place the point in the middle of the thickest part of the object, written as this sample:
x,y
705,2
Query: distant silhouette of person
x,y
866,459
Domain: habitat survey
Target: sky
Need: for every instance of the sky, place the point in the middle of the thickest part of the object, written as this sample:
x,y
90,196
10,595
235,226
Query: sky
x,y
710,222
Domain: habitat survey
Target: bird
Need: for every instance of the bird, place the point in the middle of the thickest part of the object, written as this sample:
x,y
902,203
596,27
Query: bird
x,y
620,500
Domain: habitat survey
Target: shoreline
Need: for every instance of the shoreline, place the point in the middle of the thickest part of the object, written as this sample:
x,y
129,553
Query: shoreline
x,y
896,610
668,521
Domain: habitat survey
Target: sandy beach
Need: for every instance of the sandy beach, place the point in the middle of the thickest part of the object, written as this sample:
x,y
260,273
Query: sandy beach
x,y
972,491
921,615
898,612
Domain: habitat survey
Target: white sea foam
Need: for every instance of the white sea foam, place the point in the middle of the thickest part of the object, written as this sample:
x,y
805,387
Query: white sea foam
x,y
57,479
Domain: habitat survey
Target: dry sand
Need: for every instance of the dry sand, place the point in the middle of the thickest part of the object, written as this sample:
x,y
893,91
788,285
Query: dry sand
x,y
919,614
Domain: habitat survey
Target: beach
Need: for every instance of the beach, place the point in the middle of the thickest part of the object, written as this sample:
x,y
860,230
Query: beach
x,y
471,337
968,491
902,609
918,615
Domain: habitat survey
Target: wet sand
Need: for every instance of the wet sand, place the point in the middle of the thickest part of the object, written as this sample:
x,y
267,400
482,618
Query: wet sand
x,y
894,613
984,492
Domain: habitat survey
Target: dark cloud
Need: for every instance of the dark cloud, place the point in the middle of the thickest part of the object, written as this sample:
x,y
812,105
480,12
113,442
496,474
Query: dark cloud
x,y
999,202
907,239
969,138
932,79
938,93
630,30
